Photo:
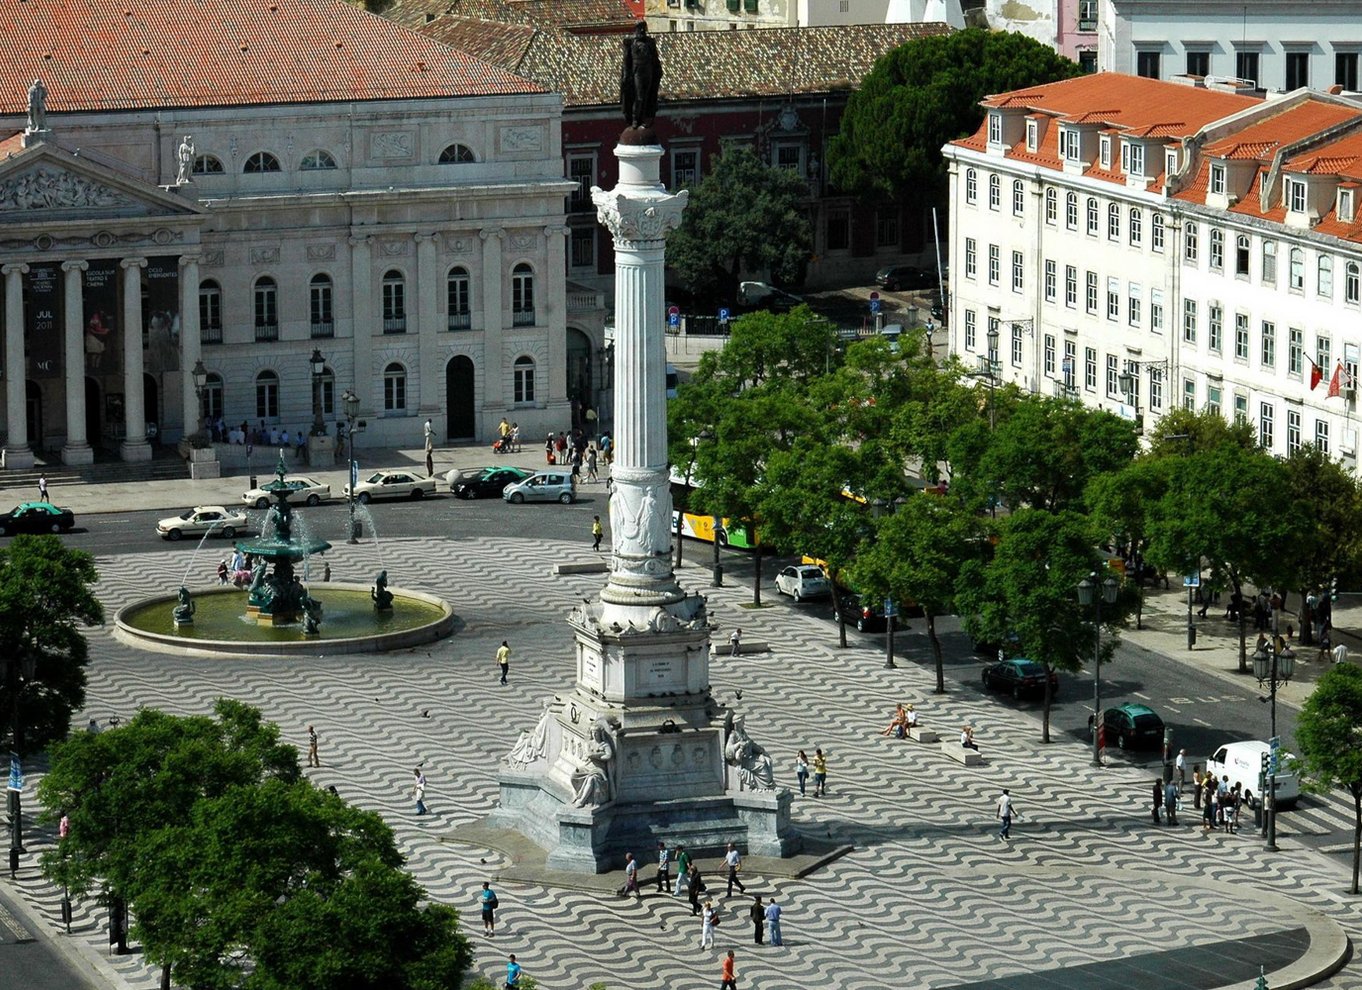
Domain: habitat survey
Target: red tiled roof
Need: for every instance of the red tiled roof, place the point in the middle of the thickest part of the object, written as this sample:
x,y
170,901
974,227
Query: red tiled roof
x,y
12,145
578,16
127,54
1341,157
1262,138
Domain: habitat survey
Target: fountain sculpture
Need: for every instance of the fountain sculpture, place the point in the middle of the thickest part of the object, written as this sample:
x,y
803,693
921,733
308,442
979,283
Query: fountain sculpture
x,y
279,598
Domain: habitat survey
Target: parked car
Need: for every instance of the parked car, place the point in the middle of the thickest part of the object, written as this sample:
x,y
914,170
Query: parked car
x,y
546,486
866,614
297,488
392,484
1133,726
1018,676
1241,762
896,278
801,581
36,517
759,295
212,519
490,482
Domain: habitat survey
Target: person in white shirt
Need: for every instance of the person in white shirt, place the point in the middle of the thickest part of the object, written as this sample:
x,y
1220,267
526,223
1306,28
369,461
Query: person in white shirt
x,y
967,738
733,860
1005,815
1180,765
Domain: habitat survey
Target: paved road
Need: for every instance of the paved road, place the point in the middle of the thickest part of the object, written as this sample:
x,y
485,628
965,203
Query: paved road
x,y
30,961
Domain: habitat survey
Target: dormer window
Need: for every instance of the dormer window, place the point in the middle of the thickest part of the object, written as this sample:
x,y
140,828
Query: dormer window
x,y
1104,152
1136,165
1069,139
1032,135
1125,156
1295,196
1217,180
1345,205
1170,160
995,128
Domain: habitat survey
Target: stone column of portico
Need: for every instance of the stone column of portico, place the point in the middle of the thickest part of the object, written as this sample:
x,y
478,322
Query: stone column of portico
x,y
77,449
427,328
134,446
191,342
17,452
639,212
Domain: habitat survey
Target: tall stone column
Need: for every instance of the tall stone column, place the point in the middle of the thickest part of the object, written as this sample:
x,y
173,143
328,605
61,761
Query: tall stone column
x,y
17,452
553,298
362,308
191,342
77,449
493,324
134,446
639,212
427,327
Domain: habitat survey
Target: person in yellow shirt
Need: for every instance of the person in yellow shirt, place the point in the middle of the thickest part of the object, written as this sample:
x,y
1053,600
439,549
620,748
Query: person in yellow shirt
x,y
597,531
820,773
504,659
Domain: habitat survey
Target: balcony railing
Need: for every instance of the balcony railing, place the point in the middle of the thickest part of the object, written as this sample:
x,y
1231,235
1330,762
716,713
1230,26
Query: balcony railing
x,y
267,331
460,321
327,329
584,300
394,324
522,318
211,334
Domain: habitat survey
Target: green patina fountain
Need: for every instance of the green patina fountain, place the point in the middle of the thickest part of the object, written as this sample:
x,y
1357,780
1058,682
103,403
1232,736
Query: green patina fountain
x,y
276,596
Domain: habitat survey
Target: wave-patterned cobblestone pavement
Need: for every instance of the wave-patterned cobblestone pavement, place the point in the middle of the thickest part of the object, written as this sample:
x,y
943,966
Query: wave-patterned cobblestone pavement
x,y
929,897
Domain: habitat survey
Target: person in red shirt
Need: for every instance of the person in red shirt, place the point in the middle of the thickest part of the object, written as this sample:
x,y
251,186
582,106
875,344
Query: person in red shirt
x,y
729,982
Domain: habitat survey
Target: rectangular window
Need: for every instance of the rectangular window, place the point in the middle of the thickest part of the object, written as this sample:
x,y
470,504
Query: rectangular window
x,y
1296,272
1156,310
1113,299
1070,286
1215,328
1147,65
1113,375
581,170
1032,135
582,250
1189,321
1050,354
1345,70
1070,365
995,128
1017,271
887,228
838,230
1246,65
1293,430
1051,206
1156,233
1269,262
1071,211
1218,180
1266,416
1322,435
1241,336
1051,281
1213,394
1090,368
1198,63
1018,198
1241,408
971,329
1241,255
1092,292
1297,70
685,167
971,257
1113,222
1104,151
1295,195
1189,394
1155,388
1269,342
1295,351
789,156
1324,355
1087,15
1092,216
995,192
994,264
1136,167
1133,305
1069,140
1016,346
971,186
1217,259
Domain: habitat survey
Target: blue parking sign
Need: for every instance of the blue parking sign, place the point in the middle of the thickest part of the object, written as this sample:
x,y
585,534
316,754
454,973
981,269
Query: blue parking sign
x,y
874,305
674,319
723,315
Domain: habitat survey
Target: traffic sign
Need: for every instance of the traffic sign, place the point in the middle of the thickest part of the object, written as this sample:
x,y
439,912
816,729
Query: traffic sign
x,y
890,609
1276,744
673,310
723,314
673,318
874,295
874,305
1191,581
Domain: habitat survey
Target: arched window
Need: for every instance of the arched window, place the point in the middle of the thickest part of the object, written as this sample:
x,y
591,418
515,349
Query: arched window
x,y
1325,276
318,161
1241,255
321,299
267,396
1191,243
524,379
995,192
212,395
1217,248
1051,205
208,165
522,296
266,309
971,186
457,154
210,312
1018,197
458,299
1092,216
395,388
1297,274
1114,222
394,302
1136,226
261,161
1071,211
1350,282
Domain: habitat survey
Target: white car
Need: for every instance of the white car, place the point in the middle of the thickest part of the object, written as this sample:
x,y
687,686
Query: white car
x,y
393,484
801,581
1242,762
296,487
201,519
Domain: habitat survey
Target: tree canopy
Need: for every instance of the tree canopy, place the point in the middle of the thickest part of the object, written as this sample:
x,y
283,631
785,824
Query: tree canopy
x,y
924,94
1329,740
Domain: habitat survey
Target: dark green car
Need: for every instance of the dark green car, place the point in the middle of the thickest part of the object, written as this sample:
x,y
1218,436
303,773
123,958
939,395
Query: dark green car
x,y
1133,726
36,517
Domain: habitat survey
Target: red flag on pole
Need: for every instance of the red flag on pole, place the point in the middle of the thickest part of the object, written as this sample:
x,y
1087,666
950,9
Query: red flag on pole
x,y
1336,382
1316,374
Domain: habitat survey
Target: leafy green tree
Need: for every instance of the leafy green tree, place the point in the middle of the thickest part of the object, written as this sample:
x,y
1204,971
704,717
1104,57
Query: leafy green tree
x,y
1329,503
924,94
744,217
917,555
1232,510
45,598
1329,741
1120,502
1027,593
1182,432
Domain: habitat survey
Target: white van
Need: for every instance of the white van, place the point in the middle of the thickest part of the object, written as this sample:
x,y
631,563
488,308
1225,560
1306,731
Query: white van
x,y
1242,762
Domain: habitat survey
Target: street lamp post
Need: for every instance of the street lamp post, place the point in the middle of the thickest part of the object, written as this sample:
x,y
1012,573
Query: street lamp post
x,y
717,528
1129,385
200,376
18,674
318,364
351,402
1086,596
1272,669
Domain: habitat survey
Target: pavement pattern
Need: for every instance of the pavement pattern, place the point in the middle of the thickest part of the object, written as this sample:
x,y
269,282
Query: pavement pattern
x,y
929,896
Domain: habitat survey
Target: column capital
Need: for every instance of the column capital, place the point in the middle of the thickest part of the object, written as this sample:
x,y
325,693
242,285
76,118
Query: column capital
x,y
562,230
130,263
637,218
487,233
190,259
360,240
424,238
75,266
17,269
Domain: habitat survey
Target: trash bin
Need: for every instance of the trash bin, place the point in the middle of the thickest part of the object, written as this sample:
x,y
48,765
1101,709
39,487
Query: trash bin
x,y
1191,637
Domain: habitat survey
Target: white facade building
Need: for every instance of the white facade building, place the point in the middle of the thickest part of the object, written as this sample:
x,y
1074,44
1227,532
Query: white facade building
x,y
361,190
1206,242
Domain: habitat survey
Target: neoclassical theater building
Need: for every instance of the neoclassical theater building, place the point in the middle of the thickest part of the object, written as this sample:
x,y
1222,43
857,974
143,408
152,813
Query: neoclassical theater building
x,y
245,182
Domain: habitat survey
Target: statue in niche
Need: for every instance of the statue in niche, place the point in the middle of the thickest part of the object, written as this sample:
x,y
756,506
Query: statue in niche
x,y
595,784
185,160
752,762
640,76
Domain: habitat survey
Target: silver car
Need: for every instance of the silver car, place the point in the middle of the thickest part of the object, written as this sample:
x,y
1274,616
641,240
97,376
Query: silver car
x,y
546,486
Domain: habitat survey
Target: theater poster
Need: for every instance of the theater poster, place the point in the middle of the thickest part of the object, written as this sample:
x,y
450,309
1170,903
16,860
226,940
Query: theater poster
x,y
42,322
161,314
103,343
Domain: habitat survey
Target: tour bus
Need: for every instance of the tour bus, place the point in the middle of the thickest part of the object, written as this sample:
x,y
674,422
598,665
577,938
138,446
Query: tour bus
x,y
733,533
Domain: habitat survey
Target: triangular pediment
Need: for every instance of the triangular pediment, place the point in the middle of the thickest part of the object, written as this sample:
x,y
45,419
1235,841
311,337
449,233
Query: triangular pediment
x,y
47,183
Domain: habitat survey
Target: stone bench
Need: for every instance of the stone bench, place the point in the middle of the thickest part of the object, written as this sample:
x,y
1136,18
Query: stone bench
x,y
958,753
920,734
585,567
725,648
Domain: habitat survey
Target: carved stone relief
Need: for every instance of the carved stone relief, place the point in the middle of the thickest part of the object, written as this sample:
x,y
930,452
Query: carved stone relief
x,y
392,144
265,256
321,252
517,139
54,189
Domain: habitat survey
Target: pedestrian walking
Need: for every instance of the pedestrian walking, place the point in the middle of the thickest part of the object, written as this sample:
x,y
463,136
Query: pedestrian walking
x,y
630,878
733,860
504,659
773,921
419,791
664,867
1180,769
682,868
695,886
820,773
313,760
1171,800
801,770
728,980
42,488
1196,789
758,914
222,571
591,456
1158,802
513,972
708,919
1005,815
735,642
597,531
487,900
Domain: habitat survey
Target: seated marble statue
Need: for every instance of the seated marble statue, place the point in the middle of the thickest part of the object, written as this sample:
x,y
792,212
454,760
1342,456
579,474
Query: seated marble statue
x,y
383,598
751,760
591,786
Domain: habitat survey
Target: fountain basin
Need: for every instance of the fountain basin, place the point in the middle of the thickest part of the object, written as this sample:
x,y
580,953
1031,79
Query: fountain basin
x,y
350,624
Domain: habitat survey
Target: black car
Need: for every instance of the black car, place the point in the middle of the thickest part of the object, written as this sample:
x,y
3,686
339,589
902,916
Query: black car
x,y
1133,726
490,484
906,277
867,615
36,517
1018,676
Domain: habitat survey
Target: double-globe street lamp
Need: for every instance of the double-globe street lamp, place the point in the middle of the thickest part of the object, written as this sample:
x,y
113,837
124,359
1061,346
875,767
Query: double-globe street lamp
x,y
351,402
200,378
318,364
1272,667
1087,595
